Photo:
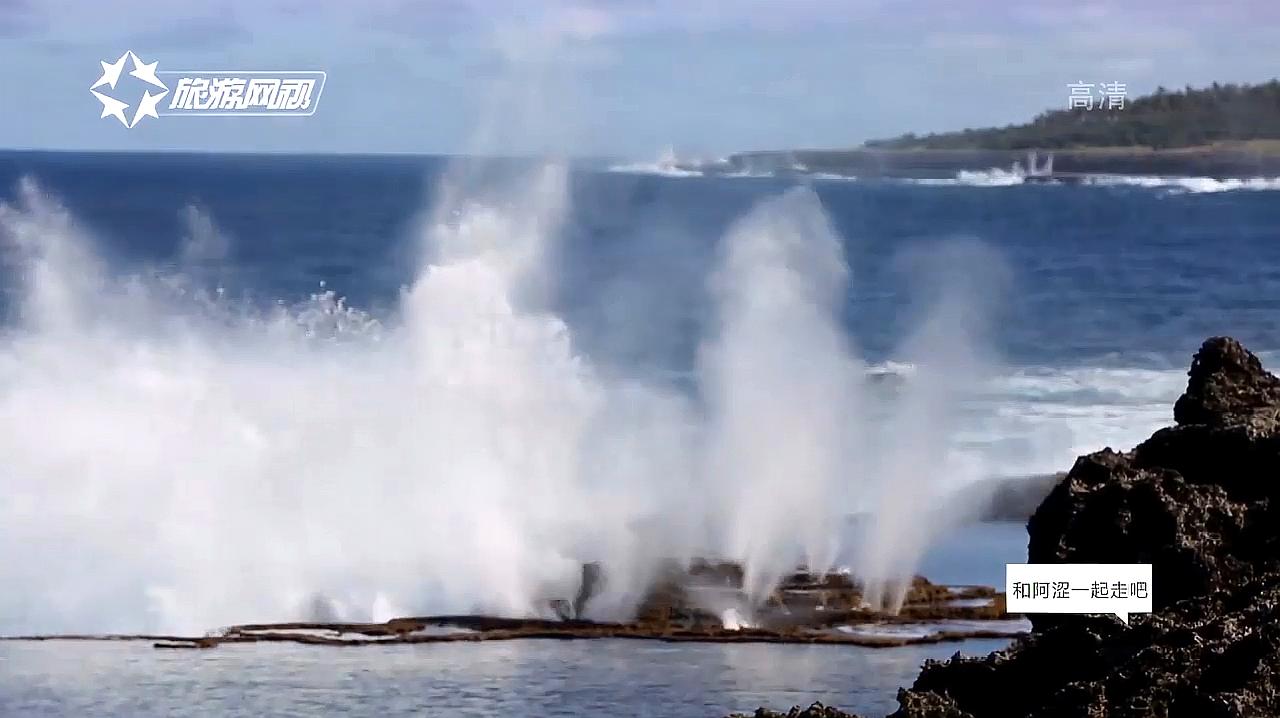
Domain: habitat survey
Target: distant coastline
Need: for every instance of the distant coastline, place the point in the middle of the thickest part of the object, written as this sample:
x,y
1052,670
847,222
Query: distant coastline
x,y
1221,131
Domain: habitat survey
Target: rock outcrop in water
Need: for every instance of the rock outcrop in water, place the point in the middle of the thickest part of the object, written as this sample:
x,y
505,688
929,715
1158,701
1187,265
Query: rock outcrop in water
x,y
1201,502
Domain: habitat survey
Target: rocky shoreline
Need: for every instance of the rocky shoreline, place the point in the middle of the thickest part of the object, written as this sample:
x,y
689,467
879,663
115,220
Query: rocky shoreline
x,y
1200,501
806,608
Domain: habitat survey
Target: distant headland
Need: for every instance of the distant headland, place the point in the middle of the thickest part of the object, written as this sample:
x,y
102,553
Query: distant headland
x,y
1219,131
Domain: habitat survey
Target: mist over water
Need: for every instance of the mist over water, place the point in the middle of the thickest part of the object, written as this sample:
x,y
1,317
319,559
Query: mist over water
x,y
178,461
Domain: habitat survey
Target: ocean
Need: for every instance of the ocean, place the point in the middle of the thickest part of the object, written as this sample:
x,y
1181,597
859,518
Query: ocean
x,y
244,388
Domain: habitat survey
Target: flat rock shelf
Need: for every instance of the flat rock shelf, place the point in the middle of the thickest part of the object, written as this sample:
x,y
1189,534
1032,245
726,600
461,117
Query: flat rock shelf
x,y
805,608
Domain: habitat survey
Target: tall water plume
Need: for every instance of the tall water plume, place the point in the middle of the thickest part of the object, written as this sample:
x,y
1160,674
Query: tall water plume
x,y
211,463
781,388
917,463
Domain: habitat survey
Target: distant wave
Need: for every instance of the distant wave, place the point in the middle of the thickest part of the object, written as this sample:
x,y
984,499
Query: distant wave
x,y
668,164
695,169
997,177
994,177
666,170
656,168
1189,184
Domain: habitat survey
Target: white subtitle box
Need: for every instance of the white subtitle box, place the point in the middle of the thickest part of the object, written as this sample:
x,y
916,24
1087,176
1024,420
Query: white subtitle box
x,y
1116,588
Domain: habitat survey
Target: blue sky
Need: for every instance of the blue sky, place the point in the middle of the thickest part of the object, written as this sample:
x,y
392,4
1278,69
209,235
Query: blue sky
x,y
613,77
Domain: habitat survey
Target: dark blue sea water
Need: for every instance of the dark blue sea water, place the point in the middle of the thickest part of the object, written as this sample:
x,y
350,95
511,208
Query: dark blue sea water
x,y
1115,274
231,386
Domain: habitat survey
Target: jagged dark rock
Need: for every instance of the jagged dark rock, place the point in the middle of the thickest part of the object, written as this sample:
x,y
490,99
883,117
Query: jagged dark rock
x,y
929,705
1228,384
1199,502
817,710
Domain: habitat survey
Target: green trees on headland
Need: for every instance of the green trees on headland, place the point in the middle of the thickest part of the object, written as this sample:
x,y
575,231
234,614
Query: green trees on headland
x,y
1161,120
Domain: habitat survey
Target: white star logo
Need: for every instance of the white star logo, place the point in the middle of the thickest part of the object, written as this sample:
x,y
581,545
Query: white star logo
x,y
147,108
110,73
146,73
111,107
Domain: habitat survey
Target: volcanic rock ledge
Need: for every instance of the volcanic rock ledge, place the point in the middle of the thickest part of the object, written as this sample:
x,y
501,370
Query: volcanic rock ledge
x,y
805,608
1200,501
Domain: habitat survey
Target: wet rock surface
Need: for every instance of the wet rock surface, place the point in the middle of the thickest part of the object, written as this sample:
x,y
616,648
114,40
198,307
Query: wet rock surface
x,y
817,710
1198,500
